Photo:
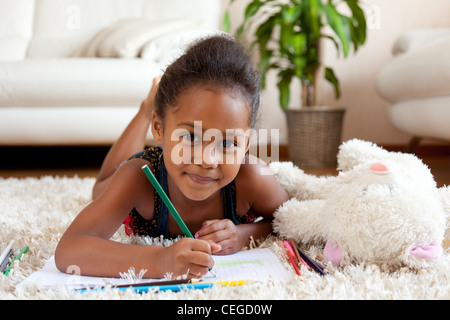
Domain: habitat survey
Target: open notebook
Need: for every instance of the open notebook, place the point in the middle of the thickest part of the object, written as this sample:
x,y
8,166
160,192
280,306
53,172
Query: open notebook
x,y
255,264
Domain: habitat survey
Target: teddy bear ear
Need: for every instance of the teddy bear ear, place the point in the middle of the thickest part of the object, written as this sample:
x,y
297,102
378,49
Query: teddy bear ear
x,y
355,152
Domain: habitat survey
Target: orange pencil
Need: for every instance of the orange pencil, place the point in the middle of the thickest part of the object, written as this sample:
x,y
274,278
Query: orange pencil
x,y
291,258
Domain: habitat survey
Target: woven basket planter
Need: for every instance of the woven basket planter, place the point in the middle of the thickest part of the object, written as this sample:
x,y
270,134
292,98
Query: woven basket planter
x,y
314,136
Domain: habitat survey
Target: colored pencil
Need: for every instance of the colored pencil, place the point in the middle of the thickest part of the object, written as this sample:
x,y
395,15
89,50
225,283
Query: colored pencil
x,y
316,266
169,205
173,285
17,258
297,255
5,256
167,201
291,258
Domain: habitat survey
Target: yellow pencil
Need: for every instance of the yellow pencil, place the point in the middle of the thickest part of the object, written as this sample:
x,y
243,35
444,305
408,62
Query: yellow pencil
x,y
233,283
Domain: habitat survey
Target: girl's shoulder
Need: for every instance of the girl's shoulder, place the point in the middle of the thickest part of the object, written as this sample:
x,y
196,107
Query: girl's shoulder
x,y
258,185
256,175
130,175
130,185
151,154
254,169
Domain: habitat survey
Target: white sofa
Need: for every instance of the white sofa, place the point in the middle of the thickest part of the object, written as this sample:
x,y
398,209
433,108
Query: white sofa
x,y
74,72
417,85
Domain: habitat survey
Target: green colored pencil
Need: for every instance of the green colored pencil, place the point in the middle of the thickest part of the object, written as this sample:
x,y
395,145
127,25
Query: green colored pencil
x,y
17,258
169,205
167,201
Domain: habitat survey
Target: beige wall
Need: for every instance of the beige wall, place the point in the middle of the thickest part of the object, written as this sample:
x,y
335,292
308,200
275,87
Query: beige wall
x,y
366,111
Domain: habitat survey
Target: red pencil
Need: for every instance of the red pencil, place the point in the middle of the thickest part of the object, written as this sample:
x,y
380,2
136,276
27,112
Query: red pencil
x,y
292,259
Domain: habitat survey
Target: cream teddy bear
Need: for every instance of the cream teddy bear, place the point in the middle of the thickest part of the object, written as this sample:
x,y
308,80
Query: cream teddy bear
x,y
383,208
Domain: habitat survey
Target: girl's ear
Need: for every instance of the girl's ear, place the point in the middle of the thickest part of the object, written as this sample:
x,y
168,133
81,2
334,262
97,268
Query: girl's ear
x,y
157,128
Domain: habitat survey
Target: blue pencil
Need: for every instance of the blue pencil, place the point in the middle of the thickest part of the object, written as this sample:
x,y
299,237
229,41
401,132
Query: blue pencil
x,y
172,287
167,287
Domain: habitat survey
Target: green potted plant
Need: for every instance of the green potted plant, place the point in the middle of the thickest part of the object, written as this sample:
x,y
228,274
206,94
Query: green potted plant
x,y
287,35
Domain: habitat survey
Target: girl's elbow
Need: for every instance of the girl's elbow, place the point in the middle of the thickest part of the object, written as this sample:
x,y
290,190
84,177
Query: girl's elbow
x,y
62,257
59,259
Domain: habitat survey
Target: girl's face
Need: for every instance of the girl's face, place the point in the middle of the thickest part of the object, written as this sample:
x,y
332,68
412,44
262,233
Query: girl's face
x,y
204,138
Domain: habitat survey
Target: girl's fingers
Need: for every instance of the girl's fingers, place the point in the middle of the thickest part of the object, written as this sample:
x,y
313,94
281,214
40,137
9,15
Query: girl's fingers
x,y
215,247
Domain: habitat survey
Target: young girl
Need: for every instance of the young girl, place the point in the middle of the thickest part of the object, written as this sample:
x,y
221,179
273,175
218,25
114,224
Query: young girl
x,y
217,188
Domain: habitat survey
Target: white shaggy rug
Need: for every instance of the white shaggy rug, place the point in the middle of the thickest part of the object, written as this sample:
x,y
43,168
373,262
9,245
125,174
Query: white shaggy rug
x,y
36,212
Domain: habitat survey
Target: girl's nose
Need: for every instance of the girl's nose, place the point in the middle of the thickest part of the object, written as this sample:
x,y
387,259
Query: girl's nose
x,y
209,155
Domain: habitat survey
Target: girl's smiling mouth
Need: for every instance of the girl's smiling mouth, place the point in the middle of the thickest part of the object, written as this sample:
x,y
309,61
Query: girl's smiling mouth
x,y
200,179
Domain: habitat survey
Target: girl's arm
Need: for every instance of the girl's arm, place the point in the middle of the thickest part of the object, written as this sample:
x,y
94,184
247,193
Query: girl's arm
x,y
86,242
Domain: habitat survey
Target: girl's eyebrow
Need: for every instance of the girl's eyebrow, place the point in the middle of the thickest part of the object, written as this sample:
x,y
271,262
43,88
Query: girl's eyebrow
x,y
189,124
192,125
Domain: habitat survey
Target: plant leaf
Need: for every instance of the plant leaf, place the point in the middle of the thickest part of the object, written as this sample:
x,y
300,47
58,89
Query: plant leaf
x,y
264,32
298,42
291,13
334,41
331,77
264,65
359,18
252,8
226,24
300,67
285,38
337,23
285,78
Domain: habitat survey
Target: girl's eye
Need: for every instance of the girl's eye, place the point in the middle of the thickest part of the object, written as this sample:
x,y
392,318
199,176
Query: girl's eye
x,y
227,144
191,137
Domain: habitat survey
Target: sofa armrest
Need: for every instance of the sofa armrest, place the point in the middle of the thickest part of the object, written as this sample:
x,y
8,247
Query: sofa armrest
x,y
422,73
416,39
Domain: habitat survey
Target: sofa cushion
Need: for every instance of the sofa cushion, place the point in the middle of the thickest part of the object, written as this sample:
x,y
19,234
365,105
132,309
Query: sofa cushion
x,y
16,25
61,27
127,37
419,74
81,82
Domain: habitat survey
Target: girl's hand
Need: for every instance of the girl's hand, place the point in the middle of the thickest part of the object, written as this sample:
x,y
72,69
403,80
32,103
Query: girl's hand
x,y
189,257
223,232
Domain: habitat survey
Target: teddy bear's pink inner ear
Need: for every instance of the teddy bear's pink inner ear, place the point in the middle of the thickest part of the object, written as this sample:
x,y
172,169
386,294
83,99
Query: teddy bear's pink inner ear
x,y
432,251
333,253
379,167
